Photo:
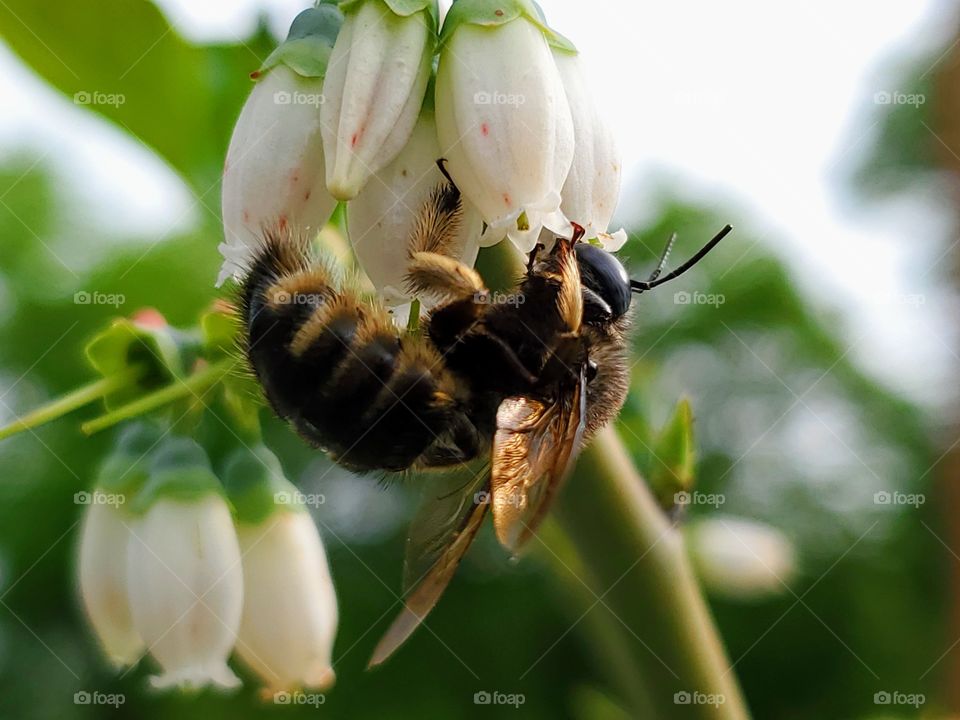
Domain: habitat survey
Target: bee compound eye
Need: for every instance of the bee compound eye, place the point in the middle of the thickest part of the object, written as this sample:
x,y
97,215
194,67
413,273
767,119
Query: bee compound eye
x,y
602,273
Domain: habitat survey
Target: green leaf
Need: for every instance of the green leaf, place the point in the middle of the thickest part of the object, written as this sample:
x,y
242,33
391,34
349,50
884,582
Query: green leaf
x,y
124,61
241,395
164,352
256,485
493,13
674,455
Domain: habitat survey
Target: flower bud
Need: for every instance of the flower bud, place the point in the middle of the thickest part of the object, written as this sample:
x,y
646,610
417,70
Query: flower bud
x,y
274,172
592,187
289,606
381,219
741,558
104,538
502,117
183,569
377,77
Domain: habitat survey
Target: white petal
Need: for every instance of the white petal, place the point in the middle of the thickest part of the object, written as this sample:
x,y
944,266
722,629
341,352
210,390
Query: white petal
x,y
592,187
376,79
104,538
504,124
381,218
186,589
274,172
290,608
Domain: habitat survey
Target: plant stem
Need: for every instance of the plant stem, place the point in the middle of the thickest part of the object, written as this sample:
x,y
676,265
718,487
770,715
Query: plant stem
x,y
164,396
72,401
637,568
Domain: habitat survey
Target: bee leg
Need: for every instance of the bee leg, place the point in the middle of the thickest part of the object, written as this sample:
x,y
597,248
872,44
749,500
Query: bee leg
x,y
440,276
532,258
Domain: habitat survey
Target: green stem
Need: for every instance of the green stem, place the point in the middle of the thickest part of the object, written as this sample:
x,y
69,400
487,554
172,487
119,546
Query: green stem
x,y
164,396
73,400
637,568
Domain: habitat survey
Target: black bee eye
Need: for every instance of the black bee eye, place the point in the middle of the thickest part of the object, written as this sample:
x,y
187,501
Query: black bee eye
x,y
602,273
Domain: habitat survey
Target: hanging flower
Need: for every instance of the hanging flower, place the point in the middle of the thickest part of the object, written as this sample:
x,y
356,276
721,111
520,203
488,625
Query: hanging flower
x,y
274,171
502,117
592,187
377,77
382,217
183,569
104,538
290,609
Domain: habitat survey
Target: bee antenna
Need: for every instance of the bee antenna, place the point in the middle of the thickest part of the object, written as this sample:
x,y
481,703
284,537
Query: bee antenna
x,y
640,286
442,165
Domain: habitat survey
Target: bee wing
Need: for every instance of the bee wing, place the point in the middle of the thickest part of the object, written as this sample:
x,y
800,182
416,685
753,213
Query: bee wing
x,y
445,525
533,452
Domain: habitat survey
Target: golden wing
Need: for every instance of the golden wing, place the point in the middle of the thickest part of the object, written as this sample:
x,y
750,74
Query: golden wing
x,y
445,525
533,450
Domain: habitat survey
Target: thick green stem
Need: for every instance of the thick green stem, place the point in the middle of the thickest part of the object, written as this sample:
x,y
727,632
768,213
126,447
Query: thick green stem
x,y
638,570
73,401
164,396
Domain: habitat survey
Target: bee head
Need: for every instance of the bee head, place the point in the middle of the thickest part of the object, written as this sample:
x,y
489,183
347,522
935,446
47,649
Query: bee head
x,y
606,285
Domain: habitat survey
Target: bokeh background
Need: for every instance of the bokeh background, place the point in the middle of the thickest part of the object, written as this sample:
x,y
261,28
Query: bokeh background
x,y
822,373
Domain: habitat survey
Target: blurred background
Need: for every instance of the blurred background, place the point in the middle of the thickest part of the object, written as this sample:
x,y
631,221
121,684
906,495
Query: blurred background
x,y
818,347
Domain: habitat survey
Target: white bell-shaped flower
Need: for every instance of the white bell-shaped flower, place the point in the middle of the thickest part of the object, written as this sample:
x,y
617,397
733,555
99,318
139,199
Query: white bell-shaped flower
x,y
289,617
375,84
104,538
592,187
382,218
502,117
184,574
274,172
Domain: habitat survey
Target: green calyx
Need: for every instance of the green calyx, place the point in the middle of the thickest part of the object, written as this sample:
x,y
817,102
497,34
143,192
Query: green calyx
x,y
401,8
674,455
256,485
493,13
126,469
309,43
160,354
179,469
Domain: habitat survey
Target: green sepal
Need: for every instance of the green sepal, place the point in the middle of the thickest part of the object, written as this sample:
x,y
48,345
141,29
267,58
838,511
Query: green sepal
x,y
125,470
163,352
242,396
493,13
256,485
402,8
309,42
179,470
674,455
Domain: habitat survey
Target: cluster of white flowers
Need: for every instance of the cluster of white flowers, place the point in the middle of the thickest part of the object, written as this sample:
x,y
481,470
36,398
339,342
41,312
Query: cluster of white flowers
x,y
192,568
361,100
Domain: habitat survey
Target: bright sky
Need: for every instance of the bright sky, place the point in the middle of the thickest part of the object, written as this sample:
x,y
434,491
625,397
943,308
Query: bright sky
x,y
761,106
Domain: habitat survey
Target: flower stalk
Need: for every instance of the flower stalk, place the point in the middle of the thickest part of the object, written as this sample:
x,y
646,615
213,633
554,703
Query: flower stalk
x,y
638,566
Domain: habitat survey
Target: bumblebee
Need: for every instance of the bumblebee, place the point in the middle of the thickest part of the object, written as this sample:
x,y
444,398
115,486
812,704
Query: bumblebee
x,y
514,387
